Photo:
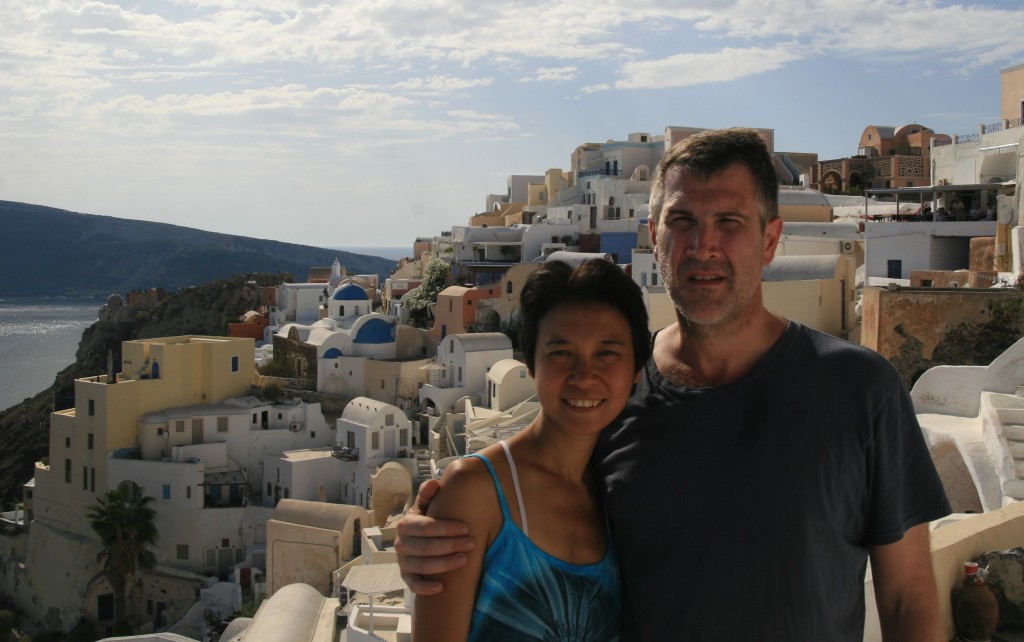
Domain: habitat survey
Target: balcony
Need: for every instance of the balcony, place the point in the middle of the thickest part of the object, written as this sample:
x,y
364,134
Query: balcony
x,y
346,453
587,173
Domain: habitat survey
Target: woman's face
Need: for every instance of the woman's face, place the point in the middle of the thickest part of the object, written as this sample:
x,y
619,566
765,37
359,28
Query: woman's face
x,y
583,366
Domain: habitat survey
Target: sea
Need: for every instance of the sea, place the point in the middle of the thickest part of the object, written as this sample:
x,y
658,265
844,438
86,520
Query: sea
x,y
38,339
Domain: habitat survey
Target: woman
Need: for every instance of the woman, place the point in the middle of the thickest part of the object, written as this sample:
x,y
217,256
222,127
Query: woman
x,y
548,569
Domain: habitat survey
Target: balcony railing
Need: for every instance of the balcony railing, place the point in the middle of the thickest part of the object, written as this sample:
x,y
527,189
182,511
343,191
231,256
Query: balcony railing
x,y
346,454
600,172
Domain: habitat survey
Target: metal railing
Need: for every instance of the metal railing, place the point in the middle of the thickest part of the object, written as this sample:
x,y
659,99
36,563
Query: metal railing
x,y
600,172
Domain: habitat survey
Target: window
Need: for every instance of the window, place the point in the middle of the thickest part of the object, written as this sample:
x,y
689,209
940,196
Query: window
x,y
234,363
225,543
89,440
179,425
67,442
182,551
403,437
350,439
270,489
895,269
67,471
167,491
375,441
222,424
381,384
188,492
254,416
92,407
508,288
197,424
92,480
654,278
389,419
85,478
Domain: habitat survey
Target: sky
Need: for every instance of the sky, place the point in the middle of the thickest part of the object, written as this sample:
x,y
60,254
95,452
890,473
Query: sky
x,y
373,122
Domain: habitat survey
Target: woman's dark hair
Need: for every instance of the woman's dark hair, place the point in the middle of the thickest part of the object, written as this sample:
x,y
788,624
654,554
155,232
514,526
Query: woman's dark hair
x,y
593,282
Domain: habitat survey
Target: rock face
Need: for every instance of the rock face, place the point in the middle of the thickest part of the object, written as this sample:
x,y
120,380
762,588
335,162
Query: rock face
x,y
1006,577
206,309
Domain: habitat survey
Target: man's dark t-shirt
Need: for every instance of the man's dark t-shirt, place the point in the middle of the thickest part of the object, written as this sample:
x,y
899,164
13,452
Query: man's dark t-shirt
x,y
747,512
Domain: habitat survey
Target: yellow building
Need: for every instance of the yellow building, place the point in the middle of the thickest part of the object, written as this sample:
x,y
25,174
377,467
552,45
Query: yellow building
x,y
156,374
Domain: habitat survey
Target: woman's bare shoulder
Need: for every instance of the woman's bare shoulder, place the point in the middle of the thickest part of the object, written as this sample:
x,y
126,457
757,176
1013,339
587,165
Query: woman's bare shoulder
x,y
467,490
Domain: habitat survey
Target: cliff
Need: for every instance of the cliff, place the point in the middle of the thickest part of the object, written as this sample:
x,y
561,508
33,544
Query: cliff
x,y
51,252
206,309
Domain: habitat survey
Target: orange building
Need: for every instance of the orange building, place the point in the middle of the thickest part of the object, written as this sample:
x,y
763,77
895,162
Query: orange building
x,y
886,157
252,327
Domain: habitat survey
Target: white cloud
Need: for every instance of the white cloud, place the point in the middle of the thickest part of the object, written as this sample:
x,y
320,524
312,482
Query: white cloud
x,y
685,69
439,85
553,74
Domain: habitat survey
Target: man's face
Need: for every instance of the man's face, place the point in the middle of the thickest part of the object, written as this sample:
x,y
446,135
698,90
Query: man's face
x,y
711,247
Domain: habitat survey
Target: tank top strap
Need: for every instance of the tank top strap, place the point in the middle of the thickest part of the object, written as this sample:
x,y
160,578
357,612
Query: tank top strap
x,y
515,482
506,515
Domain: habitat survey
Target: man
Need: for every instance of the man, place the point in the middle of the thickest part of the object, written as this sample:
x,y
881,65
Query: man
x,y
759,462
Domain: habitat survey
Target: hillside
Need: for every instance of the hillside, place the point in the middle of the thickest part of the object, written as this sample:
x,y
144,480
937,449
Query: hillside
x,y
50,252
24,428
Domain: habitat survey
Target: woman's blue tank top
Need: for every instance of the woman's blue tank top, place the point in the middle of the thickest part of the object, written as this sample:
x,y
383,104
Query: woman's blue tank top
x,y
527,594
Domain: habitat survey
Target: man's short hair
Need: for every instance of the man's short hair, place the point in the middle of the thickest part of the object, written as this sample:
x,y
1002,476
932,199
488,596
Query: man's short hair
x,y
712,151
592,282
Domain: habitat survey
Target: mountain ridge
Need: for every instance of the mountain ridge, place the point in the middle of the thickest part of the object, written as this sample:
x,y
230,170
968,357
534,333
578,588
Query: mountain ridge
x,y
46,251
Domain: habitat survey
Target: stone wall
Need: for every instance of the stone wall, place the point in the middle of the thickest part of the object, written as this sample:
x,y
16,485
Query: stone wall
x,y
919,328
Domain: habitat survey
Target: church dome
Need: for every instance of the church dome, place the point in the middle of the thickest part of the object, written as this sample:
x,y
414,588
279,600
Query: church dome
x,y
350,292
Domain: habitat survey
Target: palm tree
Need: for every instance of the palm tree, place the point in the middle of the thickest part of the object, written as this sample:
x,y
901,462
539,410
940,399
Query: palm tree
x,y
126,526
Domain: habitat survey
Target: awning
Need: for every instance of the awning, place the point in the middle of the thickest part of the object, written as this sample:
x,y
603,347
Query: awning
x,y
374,578
1002,165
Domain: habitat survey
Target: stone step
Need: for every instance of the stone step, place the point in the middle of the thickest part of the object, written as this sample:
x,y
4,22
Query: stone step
x,y
1017,449
1014,488
1013,432
1010,415
1018,465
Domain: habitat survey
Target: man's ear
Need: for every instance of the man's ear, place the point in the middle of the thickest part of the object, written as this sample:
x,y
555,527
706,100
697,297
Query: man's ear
x,y
772,234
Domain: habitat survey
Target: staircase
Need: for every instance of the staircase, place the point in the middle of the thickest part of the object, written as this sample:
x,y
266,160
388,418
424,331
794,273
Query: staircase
x,y
1013,429
422,465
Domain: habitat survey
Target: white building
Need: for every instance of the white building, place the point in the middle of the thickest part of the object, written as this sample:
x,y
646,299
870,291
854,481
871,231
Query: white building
x,y
893,250
298,303
460,367
371,434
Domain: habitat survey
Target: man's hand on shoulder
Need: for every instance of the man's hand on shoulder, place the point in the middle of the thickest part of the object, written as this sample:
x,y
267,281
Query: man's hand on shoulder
x,y
428,546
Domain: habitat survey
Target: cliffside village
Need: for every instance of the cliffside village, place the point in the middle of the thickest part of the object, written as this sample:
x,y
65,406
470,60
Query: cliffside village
x,y
261,494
